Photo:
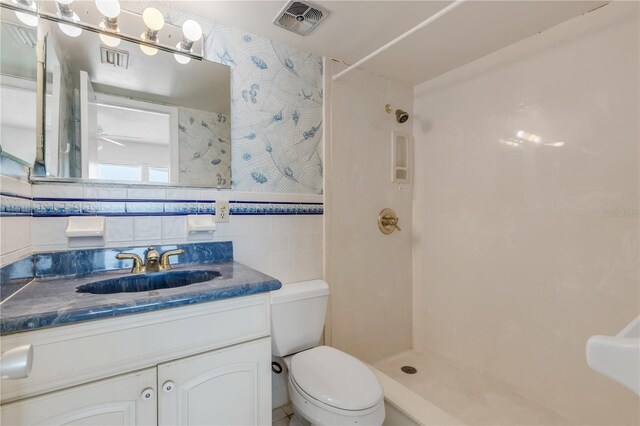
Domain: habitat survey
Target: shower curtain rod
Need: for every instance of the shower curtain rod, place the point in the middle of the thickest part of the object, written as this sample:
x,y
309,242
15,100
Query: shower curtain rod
x,y
401,37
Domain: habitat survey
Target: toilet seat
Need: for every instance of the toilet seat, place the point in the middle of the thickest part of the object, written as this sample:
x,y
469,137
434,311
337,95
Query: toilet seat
x,y
336,379
329,387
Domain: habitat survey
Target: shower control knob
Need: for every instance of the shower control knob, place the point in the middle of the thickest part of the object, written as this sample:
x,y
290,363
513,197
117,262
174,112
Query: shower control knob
x,y
147,394
388,221
168,386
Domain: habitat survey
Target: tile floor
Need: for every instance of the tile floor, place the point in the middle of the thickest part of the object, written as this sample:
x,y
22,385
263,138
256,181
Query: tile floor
x,y
280,416
464,395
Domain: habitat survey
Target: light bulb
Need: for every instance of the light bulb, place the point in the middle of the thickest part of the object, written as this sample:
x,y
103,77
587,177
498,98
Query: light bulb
x,y
153,19
181,59
27,19
108,8
66,2
70,30
110,40
191,30
148,50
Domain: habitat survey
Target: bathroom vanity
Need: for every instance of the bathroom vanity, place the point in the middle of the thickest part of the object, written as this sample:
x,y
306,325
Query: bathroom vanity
x,y
193,354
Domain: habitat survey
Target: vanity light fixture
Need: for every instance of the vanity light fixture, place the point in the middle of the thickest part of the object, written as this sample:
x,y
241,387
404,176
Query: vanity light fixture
x,y
153,21
27,18
191,32
110,10
65,11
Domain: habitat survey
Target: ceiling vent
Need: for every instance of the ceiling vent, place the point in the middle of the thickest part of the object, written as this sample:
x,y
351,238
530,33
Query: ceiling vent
x,y
300,17
22,35
114,57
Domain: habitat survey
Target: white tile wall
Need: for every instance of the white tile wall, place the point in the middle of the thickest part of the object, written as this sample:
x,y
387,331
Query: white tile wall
x,y
15,186
15,232
147,229
15,238
174,227
289,248
183,194
94,192
57,191
286,247
47,233
119,230
146,193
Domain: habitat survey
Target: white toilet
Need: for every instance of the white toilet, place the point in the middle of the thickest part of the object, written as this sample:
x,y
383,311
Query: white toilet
x,y
326,386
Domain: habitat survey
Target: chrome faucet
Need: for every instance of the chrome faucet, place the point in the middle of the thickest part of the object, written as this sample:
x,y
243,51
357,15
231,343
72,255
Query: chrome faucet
x,y
151,263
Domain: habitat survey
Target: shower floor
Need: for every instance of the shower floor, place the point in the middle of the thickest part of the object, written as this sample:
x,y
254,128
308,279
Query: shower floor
x,y
464,395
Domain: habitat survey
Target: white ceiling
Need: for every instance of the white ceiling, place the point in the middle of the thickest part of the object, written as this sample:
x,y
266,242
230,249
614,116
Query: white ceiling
x,y
356,28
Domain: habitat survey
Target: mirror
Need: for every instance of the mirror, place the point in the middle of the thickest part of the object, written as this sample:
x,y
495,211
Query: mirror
x,y
117,114
18,86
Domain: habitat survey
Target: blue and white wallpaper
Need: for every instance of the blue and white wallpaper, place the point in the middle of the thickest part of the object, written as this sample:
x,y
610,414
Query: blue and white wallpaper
x,y
276,106
204,147
276,112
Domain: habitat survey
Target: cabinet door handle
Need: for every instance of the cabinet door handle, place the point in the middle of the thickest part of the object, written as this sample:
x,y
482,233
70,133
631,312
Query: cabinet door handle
x,y
16,363
147,394
168,386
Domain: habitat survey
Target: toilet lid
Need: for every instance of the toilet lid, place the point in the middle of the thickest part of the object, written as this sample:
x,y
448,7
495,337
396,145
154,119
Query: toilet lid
x,y
336,378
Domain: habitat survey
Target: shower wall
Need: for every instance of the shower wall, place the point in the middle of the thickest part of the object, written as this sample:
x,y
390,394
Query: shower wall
x,y
369,272
525,210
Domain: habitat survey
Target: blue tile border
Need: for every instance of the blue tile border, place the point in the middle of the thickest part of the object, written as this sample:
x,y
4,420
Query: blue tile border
x,y
17,205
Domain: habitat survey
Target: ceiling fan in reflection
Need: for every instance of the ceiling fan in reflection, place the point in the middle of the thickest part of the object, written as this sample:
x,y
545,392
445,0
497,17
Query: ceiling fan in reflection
x,y
109,137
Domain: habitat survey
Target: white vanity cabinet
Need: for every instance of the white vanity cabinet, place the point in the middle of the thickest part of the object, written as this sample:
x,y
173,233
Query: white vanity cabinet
x,y
207,364
123,400
226,387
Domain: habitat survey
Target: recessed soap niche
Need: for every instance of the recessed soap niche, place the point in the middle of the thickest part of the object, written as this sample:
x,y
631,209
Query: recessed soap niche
x,y
401,157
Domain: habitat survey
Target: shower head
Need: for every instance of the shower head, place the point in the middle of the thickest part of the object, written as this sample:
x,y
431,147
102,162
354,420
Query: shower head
x,y
401,115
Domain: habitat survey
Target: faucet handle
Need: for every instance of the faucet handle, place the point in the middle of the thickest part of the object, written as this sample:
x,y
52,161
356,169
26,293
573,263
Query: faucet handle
x,y
137,261
164,259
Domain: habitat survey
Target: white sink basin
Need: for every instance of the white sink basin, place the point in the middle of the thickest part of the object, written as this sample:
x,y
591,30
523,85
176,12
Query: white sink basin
x,y
618,357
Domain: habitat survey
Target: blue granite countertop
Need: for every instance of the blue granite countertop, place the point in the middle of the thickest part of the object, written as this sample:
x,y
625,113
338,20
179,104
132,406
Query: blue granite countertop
x,y
54,301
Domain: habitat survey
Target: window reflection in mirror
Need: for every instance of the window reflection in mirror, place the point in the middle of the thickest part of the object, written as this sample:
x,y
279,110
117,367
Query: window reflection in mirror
x,y
117,114
17,87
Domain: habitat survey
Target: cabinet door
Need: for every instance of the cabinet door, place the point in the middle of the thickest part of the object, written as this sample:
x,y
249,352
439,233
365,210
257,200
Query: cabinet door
x,y
117,401
230,386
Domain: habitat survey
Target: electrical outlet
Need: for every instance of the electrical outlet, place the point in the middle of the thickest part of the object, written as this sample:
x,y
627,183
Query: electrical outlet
x,y
222,211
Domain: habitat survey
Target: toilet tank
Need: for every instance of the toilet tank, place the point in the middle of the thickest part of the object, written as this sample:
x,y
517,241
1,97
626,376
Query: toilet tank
x,y
297,316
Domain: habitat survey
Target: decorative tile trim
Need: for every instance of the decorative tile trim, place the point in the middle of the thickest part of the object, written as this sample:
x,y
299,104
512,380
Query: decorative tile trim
x,y
13,205
275,208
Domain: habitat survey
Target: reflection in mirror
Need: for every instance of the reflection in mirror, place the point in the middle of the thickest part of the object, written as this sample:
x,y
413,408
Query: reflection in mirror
x,y
17,86
117,114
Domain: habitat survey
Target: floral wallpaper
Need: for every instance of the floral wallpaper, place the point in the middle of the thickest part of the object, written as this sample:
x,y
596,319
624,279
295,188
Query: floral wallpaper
x,y
276,112
204,147
276,106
